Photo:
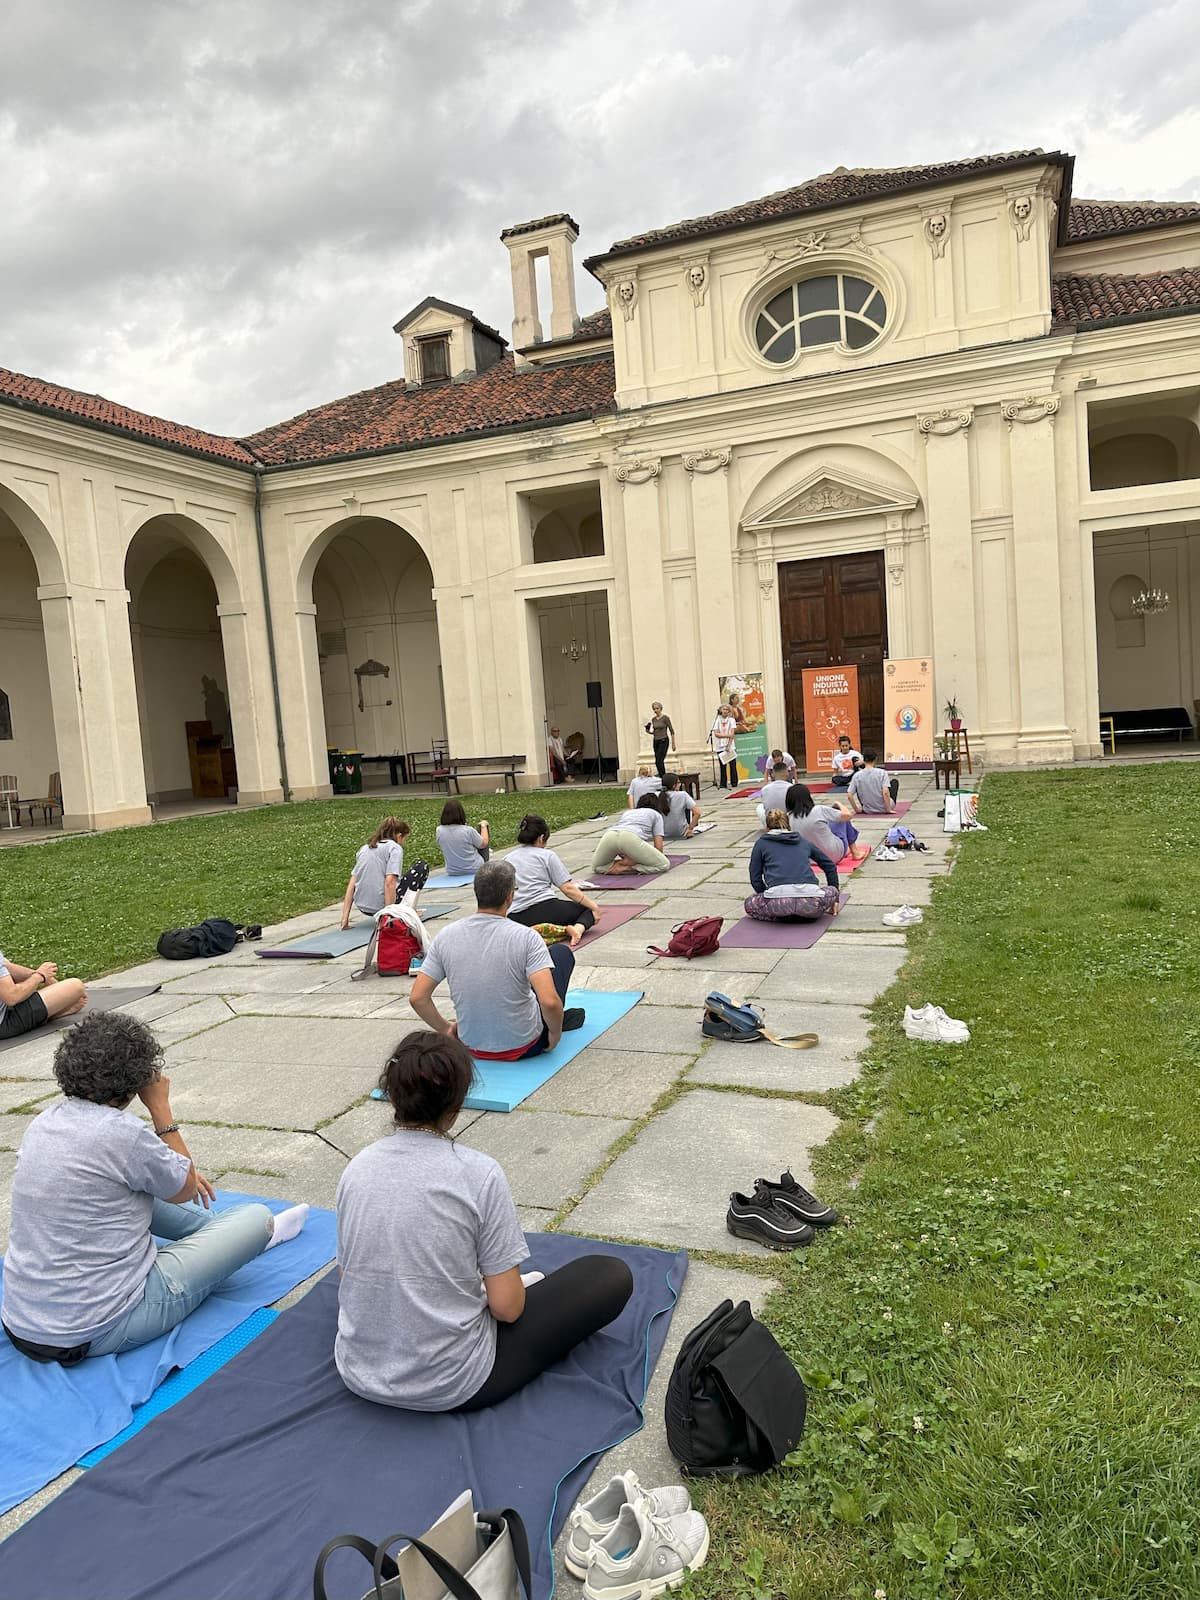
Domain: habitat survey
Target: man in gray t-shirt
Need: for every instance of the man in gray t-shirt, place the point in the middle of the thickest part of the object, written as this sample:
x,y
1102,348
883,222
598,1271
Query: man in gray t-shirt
x,y
870,788
508,986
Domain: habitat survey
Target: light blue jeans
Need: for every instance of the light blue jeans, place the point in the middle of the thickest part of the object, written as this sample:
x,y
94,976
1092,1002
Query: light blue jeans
x,y
206,1248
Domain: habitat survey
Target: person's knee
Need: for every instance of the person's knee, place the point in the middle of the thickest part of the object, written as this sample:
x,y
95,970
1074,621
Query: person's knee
x,y
563,959
253,1219
613,1280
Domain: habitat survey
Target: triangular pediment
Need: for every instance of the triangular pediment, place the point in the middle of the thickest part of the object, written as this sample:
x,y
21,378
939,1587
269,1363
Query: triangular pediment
x,y
826,494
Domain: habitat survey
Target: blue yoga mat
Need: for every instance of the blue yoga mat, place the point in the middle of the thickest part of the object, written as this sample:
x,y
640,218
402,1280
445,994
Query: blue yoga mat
x,y
340,941
272,1456
51,1416
449,880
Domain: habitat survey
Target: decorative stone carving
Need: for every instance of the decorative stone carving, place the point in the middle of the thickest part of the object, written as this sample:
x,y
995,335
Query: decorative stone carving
x,y
626,295
637,472
696,276
1020,211
1029,409
811,244
829,497
766,582
944,422
896,571
706,461
856,241
937,230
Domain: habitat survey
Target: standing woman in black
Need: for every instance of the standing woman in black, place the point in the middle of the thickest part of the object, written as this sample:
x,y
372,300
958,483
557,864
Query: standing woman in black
x,y
662,732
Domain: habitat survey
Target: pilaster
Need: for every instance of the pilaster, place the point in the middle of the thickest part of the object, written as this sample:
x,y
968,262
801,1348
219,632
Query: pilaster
x,y
715,583
951,560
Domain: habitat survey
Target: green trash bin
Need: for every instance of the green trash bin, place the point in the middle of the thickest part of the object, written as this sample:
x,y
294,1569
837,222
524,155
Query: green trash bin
x,y
334,755
352,764
340,776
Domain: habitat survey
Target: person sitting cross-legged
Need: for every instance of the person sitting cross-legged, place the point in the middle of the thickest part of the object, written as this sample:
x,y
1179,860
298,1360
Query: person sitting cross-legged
x,y
846,762
508,986
30,996
546,892
781,875
682,813
774,793
95,1187
433,1311
871,789
635,842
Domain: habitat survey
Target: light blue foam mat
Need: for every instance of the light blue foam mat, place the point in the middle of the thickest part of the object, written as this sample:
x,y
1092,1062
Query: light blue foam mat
x,y
449,880
182,1381
502,1085
340,941
50,1416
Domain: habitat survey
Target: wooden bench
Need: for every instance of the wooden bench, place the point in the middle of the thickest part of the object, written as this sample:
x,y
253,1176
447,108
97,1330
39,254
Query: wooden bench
x,y
1155,723
480,767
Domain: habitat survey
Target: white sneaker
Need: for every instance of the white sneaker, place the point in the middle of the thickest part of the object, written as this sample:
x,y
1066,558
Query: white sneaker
x,y
592,1520
884,852
933,1025
905,917
645,1555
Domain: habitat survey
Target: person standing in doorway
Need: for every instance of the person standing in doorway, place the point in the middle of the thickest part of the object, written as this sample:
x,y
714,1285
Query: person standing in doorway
x,y
722,735
662,732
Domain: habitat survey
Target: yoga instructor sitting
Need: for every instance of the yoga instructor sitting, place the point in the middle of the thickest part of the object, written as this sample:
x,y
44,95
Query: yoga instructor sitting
x,y
433,1314
508,986
781,875
95,1185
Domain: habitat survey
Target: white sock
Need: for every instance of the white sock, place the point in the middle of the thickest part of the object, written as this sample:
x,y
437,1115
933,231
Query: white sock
x,y
288,1224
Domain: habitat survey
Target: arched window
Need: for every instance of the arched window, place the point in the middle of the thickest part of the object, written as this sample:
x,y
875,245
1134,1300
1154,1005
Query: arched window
x,y
833,309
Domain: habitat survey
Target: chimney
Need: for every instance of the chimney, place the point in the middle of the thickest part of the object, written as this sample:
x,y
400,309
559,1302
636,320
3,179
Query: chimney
x,y
545,236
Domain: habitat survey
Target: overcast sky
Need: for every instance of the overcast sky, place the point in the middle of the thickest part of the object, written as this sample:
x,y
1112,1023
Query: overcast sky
x,y
216,211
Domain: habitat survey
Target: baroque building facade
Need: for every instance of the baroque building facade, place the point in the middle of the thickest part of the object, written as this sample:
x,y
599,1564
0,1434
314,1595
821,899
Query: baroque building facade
x,y
945,410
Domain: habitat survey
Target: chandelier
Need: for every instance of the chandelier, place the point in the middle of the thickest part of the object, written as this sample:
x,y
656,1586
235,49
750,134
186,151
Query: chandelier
x,y
1150,601
575,649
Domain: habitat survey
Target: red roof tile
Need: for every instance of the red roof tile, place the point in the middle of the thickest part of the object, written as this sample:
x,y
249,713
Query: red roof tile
x,y
845,186
394,417
1080,300
95,411
596,326
1101,219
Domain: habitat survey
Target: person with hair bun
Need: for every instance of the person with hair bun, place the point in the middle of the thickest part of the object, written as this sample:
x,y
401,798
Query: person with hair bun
x,y
545,890
433,1311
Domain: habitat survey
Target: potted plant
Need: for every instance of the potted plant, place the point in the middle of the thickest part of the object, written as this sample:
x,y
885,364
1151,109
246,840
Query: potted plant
x,y
945,746
953,715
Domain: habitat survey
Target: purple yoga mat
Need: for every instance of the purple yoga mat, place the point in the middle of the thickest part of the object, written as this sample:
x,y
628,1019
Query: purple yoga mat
x,y
614,917
751,935
631,880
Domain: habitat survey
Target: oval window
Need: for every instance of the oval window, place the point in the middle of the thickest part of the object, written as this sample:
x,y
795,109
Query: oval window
x,y
833,309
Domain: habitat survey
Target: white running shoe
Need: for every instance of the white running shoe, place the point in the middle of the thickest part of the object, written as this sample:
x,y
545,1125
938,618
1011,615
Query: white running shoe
x,y
905,917
933,1025
592,1520
645,1555
885,853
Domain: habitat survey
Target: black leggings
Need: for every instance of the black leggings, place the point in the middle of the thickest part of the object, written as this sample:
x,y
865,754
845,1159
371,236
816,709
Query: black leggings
x,y
661,746
563,913
730,767
565,1308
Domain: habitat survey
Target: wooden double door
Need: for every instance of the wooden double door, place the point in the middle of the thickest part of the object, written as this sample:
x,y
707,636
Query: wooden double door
x,y
833,613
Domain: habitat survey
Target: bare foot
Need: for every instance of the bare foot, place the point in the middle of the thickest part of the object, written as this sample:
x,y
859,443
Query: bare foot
x,y
576,932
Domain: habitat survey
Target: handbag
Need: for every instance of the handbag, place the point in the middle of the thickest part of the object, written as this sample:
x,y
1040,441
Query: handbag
x,y
699,937
735,1403
725,1019
500,1571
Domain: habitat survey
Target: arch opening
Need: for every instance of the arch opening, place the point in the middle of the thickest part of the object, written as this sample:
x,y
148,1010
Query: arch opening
x,y
28,740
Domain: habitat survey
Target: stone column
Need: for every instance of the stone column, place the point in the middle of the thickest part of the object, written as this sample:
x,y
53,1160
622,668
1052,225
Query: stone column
x,y
717,589
647,594
93,696
1044,735
951,560
251,708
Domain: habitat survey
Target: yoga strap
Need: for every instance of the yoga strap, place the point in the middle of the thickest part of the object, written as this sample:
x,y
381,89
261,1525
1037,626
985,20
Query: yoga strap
x,y
792,1041
368,958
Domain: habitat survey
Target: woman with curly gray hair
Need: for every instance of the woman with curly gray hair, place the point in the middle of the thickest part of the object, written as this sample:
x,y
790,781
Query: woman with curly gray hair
x,y
94,1186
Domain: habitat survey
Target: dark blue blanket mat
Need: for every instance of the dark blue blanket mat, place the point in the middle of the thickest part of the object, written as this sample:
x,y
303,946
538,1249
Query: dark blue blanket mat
x,y
51,1416
246,1478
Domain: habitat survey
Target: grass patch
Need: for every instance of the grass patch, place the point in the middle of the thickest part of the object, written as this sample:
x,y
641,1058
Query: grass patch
x,y
98,902
1003,1349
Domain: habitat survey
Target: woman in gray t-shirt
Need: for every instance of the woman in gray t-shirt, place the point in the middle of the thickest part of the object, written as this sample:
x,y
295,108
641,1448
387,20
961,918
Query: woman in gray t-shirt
x,y
433,1311
827,826
464,849
546,891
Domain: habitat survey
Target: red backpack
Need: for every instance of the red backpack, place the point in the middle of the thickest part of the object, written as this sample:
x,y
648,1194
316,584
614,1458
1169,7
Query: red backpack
x,y
700,937
397,946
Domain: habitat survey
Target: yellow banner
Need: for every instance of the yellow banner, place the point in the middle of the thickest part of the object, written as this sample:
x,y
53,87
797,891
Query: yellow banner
x,y
908,717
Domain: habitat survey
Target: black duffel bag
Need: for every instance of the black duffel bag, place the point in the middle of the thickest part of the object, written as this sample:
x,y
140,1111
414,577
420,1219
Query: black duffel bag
x,y
212,937
735,1403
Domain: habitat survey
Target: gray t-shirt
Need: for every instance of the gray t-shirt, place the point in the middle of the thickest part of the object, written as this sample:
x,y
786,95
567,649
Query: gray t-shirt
x,y
371,867
646,824
644,786
460,847
421,1221
539,874
80,1248
815,828
488,962
682,806
3,974
774,795
868,786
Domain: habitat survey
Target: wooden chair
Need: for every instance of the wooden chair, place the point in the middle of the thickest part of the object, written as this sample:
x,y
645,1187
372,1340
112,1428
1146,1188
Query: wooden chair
x,y
46,805
9,791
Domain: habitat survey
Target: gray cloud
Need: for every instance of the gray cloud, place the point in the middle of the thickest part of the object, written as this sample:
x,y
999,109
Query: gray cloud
x,y
217,211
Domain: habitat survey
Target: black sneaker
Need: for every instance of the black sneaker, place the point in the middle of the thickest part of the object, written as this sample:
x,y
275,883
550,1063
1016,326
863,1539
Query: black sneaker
x,y
797,1200
759,1218
573,1018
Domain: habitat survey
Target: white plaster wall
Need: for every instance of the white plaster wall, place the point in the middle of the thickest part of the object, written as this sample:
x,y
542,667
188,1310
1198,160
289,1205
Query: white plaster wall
x,y
31,755
1150,663
565,681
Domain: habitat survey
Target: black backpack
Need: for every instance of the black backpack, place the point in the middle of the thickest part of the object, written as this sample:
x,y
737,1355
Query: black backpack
x,y
213,937
735,1403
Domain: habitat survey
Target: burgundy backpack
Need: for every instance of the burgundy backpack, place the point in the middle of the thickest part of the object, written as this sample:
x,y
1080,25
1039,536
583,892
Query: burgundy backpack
x,y
700,937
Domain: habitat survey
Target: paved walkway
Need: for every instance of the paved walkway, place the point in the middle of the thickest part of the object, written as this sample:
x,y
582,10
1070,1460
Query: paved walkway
x,y
271,1064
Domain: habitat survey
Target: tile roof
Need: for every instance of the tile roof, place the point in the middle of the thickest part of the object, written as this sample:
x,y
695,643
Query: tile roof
x,y
1078,301
537,224
394,417
842,187
1101,219
95,411
598,325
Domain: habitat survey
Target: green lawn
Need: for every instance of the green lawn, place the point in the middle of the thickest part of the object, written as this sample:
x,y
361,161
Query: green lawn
x,y
99,902
1003,1348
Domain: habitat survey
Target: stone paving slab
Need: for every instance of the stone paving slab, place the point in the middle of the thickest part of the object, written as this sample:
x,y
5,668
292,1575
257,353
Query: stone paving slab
x,y
843,1032
893,890
8,1166
723,1142
263,1093
608,1083
318,1004
662,1030
363,1124
836,974
32,1059
156,1006
24,1091
12,1127
268,977
209,1012
668,983
546,1155
302,1166
300,1043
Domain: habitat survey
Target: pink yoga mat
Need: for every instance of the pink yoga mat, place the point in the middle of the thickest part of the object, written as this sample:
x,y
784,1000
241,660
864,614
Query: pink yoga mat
x,y
613,917
751,935
631,880
901,807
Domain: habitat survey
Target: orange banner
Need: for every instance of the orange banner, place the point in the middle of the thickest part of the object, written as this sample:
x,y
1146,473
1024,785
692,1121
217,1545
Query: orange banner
x,y
908,722
830,709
